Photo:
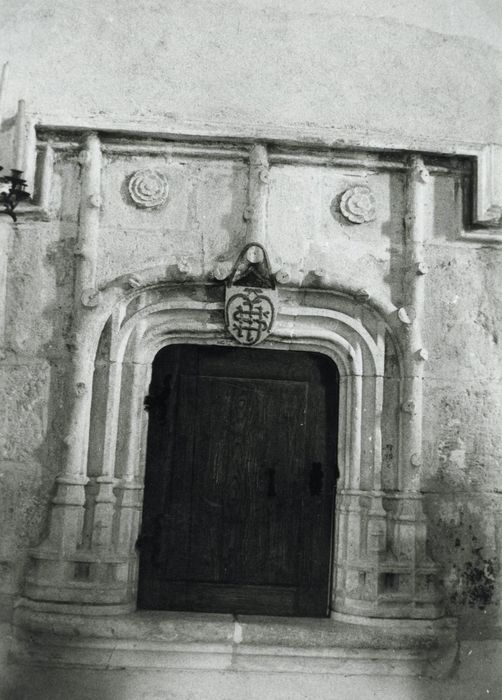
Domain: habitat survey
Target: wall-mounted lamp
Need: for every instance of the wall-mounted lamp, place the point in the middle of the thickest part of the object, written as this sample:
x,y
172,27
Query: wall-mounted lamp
x,y
12,191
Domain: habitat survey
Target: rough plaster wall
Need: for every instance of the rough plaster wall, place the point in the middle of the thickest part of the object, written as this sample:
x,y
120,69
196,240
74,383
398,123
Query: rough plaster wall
x,y
428,69
285,63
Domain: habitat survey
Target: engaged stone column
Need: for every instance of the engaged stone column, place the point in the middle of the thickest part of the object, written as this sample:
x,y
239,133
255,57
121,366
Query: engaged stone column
x,y
55,570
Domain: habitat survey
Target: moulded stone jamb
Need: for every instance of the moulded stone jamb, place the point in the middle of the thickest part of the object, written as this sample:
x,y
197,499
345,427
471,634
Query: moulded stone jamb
x,y
159,330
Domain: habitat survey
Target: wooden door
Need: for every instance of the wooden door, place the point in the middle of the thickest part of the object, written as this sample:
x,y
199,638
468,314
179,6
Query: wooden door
x,y
240,480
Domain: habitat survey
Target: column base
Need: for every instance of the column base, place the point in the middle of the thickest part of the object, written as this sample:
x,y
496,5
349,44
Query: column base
x,y
80,577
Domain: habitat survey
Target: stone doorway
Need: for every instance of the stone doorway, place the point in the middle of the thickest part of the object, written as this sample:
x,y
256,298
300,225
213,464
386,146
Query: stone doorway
x,y
89,555
240,481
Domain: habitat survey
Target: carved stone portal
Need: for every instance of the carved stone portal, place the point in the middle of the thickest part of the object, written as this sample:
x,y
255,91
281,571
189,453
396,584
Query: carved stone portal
x,y
381,566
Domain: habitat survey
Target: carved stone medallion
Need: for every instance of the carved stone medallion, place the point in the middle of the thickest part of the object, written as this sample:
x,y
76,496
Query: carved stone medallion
x,y
250,314
250,297
148,188
357,204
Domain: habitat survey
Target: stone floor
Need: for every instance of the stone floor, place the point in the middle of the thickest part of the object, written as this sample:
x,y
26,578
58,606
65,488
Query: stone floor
x,y
40,684
473,672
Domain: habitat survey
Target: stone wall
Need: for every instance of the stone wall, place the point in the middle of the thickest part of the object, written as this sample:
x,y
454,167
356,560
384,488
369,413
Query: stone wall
x,y
371,77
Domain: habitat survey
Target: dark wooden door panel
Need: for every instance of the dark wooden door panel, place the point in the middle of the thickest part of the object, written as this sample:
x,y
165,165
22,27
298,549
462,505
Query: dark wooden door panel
x,y
223,597
246,480
240,480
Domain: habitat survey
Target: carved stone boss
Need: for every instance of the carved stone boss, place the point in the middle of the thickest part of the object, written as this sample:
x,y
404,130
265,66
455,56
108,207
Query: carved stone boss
x,y
250,297
357,205
148,188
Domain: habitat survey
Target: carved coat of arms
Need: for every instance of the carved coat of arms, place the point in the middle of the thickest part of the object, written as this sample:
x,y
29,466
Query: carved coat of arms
x,y
251,297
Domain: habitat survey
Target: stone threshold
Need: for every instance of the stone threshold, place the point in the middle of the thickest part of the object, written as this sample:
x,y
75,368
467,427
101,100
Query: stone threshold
x,y
63,636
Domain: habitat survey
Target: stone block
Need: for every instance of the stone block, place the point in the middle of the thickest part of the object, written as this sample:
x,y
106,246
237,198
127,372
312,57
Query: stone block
x,y
464,540
462,440
463,312
24,410
39,289
203,211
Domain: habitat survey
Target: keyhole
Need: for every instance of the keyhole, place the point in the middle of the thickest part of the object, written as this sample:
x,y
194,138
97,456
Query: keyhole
x,y
316,477
271,483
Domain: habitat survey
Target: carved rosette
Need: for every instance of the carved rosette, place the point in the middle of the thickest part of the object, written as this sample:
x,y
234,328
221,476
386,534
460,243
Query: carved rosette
x,y
148,188
357,204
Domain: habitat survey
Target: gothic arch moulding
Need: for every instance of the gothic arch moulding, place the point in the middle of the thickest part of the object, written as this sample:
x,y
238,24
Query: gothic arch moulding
x,y
381,568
